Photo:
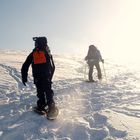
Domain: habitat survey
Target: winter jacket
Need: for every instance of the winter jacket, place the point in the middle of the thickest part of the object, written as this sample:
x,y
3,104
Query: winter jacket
x,y
45,70
94,55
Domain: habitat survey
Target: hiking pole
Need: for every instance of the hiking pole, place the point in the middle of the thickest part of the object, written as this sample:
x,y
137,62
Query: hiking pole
x,y
104,72
85,67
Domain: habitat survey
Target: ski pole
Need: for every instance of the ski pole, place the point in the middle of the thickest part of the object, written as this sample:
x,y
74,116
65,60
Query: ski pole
x,y
104,72
85,71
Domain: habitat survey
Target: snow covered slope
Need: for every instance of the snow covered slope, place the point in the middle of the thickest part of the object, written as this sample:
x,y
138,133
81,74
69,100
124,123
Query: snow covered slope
x,y
88,111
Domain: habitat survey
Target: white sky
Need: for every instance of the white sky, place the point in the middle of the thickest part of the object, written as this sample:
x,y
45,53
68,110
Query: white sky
x,y
72,25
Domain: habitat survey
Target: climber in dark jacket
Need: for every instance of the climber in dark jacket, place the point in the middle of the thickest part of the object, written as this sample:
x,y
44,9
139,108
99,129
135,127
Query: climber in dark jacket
x,y
42,69
93,58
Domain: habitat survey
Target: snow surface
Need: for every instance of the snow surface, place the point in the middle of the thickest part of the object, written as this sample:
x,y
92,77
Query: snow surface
x,y
107,110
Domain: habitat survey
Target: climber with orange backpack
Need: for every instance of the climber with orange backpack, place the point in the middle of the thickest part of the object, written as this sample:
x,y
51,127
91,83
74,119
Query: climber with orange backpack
x,y
42,69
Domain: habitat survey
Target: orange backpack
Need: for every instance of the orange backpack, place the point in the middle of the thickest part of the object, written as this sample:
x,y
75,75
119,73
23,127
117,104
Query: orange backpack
x,y
39,57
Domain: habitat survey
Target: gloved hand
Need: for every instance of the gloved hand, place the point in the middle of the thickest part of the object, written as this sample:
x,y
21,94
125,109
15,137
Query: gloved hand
x,y
102,60
24,81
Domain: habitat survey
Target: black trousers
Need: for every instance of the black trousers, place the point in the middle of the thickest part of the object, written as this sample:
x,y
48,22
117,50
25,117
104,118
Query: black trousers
x,y
91,66
44,92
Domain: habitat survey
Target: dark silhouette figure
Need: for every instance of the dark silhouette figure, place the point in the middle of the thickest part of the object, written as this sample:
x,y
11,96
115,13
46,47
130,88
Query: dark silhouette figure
x,y
93,58
43,69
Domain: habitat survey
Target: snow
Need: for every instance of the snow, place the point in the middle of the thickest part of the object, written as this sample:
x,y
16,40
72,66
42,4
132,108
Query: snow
x,y
107,110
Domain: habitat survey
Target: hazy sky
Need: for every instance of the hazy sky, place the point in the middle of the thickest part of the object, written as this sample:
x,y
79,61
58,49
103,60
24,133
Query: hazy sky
x,y
72,25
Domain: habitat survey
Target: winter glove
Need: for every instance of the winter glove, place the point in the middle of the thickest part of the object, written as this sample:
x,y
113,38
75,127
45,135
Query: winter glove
x,y
24,81
86,58
102,60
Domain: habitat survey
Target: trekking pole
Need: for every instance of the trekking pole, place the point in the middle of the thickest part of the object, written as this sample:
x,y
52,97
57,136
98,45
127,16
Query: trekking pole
x,y
85,67
104,72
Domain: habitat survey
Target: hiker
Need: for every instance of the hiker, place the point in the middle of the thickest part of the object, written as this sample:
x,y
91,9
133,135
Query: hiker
x,y
42,69
93,58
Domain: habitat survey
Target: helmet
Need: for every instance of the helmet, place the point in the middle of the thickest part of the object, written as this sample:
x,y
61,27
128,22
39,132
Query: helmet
x,y
40,41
